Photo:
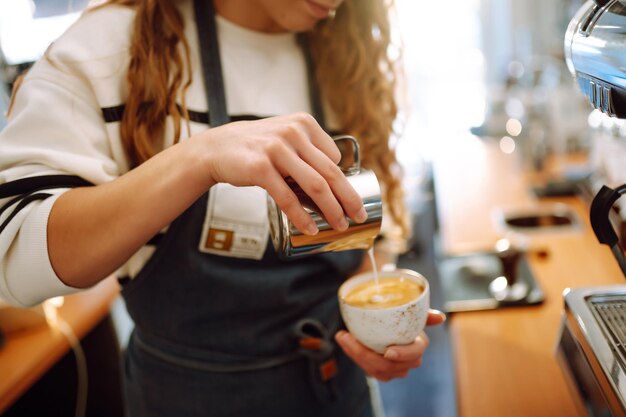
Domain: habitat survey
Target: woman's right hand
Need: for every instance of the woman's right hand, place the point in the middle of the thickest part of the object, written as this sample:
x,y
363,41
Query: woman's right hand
x,y
92,231
265,152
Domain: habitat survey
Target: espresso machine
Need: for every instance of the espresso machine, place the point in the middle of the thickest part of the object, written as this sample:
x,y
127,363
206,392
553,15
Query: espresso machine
x,y
592,339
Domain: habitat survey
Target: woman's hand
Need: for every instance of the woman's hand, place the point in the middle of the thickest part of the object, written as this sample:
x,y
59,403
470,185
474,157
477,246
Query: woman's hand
x,y
397,361
265,152
261,152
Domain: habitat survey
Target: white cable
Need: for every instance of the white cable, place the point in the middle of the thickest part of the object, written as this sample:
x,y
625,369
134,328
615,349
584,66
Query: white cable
x,y
60,325
81,367
376,397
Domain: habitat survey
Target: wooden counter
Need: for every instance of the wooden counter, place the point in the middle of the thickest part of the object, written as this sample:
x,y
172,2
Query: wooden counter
x,y
505,359
29,353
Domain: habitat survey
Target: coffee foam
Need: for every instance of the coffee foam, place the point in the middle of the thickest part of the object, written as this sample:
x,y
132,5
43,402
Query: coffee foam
x,y
390,292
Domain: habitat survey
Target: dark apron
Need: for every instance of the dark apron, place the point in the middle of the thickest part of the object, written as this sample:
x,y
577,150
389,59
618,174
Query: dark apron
x,y
219,336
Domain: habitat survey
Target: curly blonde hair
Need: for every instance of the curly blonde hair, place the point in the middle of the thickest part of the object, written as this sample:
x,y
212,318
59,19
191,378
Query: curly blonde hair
x,y
353,68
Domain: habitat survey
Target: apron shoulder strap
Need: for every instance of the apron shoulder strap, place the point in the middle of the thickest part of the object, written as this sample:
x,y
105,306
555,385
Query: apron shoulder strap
x,y
212,68
211,63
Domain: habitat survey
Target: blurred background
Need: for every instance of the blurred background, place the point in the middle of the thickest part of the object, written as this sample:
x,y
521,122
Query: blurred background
x,y
471,69
487,68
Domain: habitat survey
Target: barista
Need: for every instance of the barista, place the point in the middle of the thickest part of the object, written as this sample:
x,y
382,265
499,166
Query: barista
x,y
109,162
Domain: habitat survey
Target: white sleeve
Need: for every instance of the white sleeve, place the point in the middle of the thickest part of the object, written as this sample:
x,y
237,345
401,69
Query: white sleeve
x,y
27,275
56,128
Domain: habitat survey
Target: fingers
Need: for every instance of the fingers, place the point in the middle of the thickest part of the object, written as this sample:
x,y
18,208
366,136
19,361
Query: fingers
x,y
316,187
382,367
364,357
265,152
321,153
328,188
288,202
314,167
305,126
435,317
342,190
409,354
318,137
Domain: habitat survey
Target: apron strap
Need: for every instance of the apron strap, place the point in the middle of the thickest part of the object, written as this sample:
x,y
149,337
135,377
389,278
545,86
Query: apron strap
x,y
316,344
154,348
212,68
211,63
316,102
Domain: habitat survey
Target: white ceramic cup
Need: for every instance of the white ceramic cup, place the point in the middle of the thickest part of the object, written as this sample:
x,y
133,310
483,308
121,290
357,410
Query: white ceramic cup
x,y
378,328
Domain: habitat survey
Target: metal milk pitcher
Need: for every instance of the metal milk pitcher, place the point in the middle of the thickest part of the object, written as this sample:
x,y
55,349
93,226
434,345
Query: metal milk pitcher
x,y
289,242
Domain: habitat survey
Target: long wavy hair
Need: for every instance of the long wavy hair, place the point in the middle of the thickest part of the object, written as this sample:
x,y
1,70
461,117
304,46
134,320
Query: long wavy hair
x,y
353,68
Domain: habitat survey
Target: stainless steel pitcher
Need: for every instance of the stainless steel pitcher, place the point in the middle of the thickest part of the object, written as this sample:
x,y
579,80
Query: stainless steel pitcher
x,y
289,242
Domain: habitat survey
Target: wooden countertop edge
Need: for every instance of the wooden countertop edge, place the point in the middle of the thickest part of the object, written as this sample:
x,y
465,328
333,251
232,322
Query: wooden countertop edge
x,y
82,311
505,359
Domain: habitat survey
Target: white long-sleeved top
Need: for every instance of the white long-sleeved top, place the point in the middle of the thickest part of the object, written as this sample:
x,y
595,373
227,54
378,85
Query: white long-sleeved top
x,y
57,125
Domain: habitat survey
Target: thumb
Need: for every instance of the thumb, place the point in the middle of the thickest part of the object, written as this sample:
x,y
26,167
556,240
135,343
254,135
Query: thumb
x,y
435,317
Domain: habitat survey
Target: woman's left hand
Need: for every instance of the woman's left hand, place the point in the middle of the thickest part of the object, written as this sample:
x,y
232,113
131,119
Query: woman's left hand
x,y
397,361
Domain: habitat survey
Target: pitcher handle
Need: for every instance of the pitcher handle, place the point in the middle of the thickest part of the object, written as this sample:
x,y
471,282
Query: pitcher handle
x,y
355,168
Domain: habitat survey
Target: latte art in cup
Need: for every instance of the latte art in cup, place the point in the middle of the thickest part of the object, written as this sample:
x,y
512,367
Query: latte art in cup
x,y
395,313
389,292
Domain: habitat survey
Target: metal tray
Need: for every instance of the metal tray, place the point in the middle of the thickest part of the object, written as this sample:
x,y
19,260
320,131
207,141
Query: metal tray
x,y
465,282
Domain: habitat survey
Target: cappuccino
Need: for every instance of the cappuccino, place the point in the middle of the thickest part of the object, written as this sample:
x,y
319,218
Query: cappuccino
x,y
392,312
384,293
